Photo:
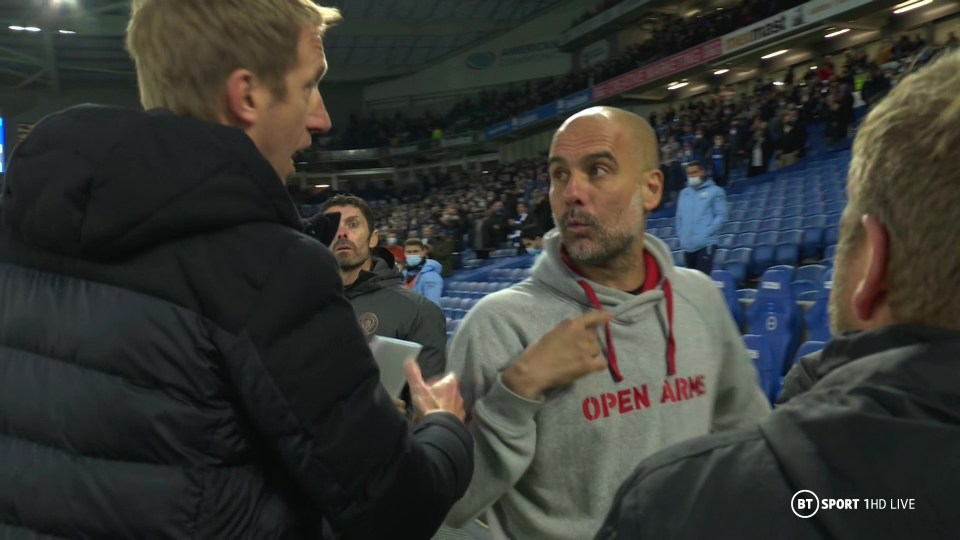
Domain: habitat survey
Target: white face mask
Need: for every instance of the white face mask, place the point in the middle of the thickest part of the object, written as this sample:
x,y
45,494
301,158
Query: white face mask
x,y
695,181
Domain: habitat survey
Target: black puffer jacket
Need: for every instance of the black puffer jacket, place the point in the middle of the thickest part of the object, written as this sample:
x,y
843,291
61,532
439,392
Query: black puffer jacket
x,y
178,361
386,308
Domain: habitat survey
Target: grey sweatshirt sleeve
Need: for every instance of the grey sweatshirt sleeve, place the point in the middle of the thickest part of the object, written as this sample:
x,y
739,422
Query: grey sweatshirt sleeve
x,y
801,377
740,402
503,424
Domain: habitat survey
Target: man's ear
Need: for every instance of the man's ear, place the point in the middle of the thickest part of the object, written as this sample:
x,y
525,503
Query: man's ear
x,y
374,238
652,188
243,98
871,293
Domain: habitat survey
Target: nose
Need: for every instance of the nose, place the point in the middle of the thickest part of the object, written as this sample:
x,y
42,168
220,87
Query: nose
x,y
575,189
318,120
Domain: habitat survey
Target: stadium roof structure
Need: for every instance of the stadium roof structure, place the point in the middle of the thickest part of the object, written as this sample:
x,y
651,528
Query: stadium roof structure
x,y
56,43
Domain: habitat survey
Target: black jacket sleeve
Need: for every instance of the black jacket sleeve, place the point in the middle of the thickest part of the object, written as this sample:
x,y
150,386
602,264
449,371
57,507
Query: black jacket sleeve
x,y
323,411
429,328
801,377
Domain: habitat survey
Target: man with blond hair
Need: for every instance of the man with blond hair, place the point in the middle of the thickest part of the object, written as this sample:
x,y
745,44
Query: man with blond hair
x,y
870,451
177,359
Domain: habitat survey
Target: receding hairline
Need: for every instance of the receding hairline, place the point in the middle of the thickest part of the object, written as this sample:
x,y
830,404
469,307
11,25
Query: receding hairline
x,y
637,129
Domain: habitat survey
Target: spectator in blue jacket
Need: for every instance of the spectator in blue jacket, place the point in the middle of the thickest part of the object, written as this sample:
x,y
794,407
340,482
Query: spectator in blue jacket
x,y
420,273
701,212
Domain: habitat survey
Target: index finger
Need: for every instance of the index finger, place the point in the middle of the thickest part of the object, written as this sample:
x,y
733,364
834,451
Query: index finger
x,y
593,319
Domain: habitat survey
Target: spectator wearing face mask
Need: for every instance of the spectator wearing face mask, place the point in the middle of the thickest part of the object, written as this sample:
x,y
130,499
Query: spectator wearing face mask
x,y
701,212
393,245
532,237
420,273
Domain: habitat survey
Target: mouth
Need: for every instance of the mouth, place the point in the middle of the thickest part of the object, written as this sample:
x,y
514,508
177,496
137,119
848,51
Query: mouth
x,y
338,249
578,227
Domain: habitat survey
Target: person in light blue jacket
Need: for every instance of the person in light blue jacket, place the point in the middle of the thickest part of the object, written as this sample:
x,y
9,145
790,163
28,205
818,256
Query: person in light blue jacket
x,y
420,273
701,212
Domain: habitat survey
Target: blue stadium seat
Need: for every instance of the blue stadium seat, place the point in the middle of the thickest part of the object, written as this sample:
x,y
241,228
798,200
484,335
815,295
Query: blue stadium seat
x,y
737,215
830,252
787,253
767,237
759,350
832,220
817,220
793,209
814,209
790,236
811,272
738,263
790,223
730,227
724,281
836,206
772,224
762,258
749,226
720,257
746,239
812,242
727,241
747,293
818,316
755,213
667,232
831,236
776,315
801,286
788,268
679,259
672,243
808,296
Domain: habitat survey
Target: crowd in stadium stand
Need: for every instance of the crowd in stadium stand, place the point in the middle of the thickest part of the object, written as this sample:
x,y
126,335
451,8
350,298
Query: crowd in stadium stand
x,y
453,214
671,34
724,131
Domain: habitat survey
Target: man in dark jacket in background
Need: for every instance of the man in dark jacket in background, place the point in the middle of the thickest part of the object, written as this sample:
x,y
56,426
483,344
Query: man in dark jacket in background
x,y
883,421
177,359
374,285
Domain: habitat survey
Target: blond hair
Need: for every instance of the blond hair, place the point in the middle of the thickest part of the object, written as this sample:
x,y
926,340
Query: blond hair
x,y
904,172
185,50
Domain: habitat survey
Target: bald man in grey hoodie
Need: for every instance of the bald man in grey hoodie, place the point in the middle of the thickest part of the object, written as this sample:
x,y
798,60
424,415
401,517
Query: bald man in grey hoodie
x,y
606,354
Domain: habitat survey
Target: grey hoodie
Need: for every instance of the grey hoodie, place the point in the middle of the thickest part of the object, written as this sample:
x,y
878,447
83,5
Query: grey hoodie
x,y
550,468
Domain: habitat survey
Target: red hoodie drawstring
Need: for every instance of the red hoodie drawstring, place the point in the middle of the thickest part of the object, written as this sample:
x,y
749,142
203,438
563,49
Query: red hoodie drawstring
x,y
612,365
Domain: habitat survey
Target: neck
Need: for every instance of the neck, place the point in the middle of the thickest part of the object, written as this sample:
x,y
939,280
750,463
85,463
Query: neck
x,y
627,273
350,276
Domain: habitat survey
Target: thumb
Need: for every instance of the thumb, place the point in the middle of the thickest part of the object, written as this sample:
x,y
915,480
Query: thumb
x,y
414,377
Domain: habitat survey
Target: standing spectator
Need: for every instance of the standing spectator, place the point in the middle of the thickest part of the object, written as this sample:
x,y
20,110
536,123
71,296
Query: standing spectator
x,y
178,357
536,374
374,286
761,150
393,245
875,88
420,273
496,226
794,140
701,213
889,383
719,159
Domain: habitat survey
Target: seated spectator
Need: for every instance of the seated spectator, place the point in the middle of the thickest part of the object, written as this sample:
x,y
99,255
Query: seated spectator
x,y
420,273
884,416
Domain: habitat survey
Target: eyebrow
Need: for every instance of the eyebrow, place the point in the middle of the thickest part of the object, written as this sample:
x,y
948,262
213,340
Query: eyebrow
x,y
589,158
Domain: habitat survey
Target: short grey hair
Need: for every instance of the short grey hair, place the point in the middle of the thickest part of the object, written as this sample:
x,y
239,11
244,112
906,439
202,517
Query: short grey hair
x,y
904,172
